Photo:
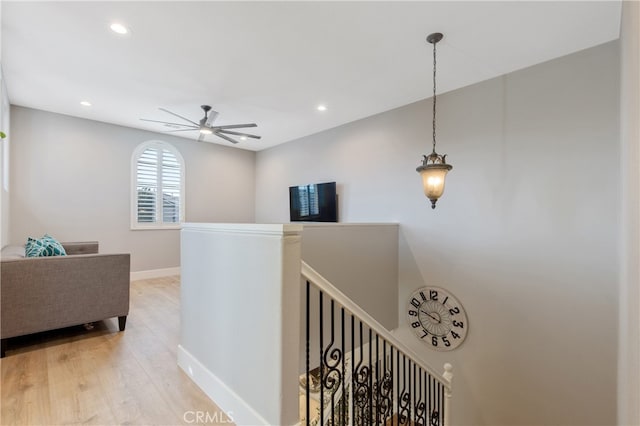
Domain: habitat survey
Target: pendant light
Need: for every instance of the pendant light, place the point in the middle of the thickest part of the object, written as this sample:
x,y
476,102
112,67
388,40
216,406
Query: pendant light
x,y
434,167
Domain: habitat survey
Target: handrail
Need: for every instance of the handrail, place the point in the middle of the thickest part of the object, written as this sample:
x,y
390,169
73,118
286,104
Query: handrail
x,y
319,281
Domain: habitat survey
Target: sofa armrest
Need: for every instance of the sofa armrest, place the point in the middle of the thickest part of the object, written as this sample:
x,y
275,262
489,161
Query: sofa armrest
x,y
87,247
45,293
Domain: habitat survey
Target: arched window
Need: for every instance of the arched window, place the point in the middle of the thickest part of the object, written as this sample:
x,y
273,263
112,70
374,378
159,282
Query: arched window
x,y
157,193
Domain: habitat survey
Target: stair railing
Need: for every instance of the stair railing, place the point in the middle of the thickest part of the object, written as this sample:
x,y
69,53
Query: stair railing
x,y
366,376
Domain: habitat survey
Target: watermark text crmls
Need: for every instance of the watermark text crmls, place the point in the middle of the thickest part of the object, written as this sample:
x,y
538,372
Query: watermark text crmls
x,y
204,417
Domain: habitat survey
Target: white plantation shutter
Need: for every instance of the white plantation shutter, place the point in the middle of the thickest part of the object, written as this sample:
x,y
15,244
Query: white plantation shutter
x,y
147,185
171,187
158,190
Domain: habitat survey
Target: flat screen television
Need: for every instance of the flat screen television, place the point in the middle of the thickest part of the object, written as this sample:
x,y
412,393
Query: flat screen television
x,y
313,203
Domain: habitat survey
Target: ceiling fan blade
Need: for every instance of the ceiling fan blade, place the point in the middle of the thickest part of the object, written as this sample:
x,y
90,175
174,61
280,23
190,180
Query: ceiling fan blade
x,y
179,116
180,130
224,137
212,117
234,126
201,137
229,132
166,122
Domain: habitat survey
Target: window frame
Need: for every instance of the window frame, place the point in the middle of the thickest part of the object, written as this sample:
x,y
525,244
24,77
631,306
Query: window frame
x,y
159,223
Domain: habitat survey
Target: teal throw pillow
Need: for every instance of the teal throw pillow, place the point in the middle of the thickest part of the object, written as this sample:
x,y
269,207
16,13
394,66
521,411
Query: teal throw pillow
x,y
54,247
34,247
45,246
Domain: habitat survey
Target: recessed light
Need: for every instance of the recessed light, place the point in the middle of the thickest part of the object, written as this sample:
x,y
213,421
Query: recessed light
x,y
321,107
119,28
85,103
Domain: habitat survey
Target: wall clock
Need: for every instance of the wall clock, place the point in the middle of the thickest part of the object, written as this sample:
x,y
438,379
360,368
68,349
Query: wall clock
x,y
437,318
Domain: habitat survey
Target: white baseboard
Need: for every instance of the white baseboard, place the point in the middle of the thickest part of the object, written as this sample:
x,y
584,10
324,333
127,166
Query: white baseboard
x,y
236,408
155,273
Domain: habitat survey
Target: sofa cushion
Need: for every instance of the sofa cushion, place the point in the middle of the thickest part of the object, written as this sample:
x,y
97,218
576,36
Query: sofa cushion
x,y
12,252
85,247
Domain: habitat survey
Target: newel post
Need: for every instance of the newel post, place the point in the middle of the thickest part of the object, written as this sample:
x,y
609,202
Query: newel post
x,y
448,376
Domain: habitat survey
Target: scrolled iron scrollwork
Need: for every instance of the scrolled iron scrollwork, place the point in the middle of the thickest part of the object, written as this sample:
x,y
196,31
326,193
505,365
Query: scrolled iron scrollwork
x,y
403,407
362,394
332,376
383,390
420,411
435,418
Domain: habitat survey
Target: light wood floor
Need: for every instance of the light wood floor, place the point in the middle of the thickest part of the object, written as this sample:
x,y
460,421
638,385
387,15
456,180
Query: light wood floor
x,y
106,377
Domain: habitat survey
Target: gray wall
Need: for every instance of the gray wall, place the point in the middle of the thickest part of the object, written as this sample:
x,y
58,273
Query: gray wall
x,y
359,260
525,234
71,177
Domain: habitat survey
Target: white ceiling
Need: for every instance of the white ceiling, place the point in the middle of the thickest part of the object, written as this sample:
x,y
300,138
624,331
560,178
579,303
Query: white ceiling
x,y
272,63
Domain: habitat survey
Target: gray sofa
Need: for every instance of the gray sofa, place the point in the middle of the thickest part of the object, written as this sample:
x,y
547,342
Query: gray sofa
x,y
46,293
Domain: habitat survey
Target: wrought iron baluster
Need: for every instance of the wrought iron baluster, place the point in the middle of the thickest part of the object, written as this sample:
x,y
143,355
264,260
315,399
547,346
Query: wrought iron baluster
x,y
307,327
370,378
330,362
440,397
425,420
411,392
330,383
392,380
361,377
435,415
405,395
419,404
425,401
343,400
321,363
431,399
352,412
377,385
385,386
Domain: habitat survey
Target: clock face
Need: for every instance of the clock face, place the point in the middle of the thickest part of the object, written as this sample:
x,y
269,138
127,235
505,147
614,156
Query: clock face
x,y
437,318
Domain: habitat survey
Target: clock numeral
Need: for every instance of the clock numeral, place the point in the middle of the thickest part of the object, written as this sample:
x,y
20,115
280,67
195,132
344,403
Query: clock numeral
x,y
423,296
415,324
446,341
426,333
433,295
434,340
455,335
413,313
458,324
415,302
454,311
445,300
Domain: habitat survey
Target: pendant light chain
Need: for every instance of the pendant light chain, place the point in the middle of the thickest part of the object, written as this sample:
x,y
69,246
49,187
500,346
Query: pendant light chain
x,y
434,166
434,97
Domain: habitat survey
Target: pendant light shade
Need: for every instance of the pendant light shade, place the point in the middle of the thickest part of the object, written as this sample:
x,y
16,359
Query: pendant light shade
x,y
433,170
434,167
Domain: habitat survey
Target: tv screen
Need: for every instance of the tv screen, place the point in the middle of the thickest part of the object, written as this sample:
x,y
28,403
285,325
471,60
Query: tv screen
x,y
313,203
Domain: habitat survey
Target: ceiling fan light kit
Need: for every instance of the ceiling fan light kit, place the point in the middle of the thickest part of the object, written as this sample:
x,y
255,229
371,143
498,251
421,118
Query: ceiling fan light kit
x,y
434,167
205,126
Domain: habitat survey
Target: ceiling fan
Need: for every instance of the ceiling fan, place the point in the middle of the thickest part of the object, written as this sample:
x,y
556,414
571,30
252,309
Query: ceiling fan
x,y
205,126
